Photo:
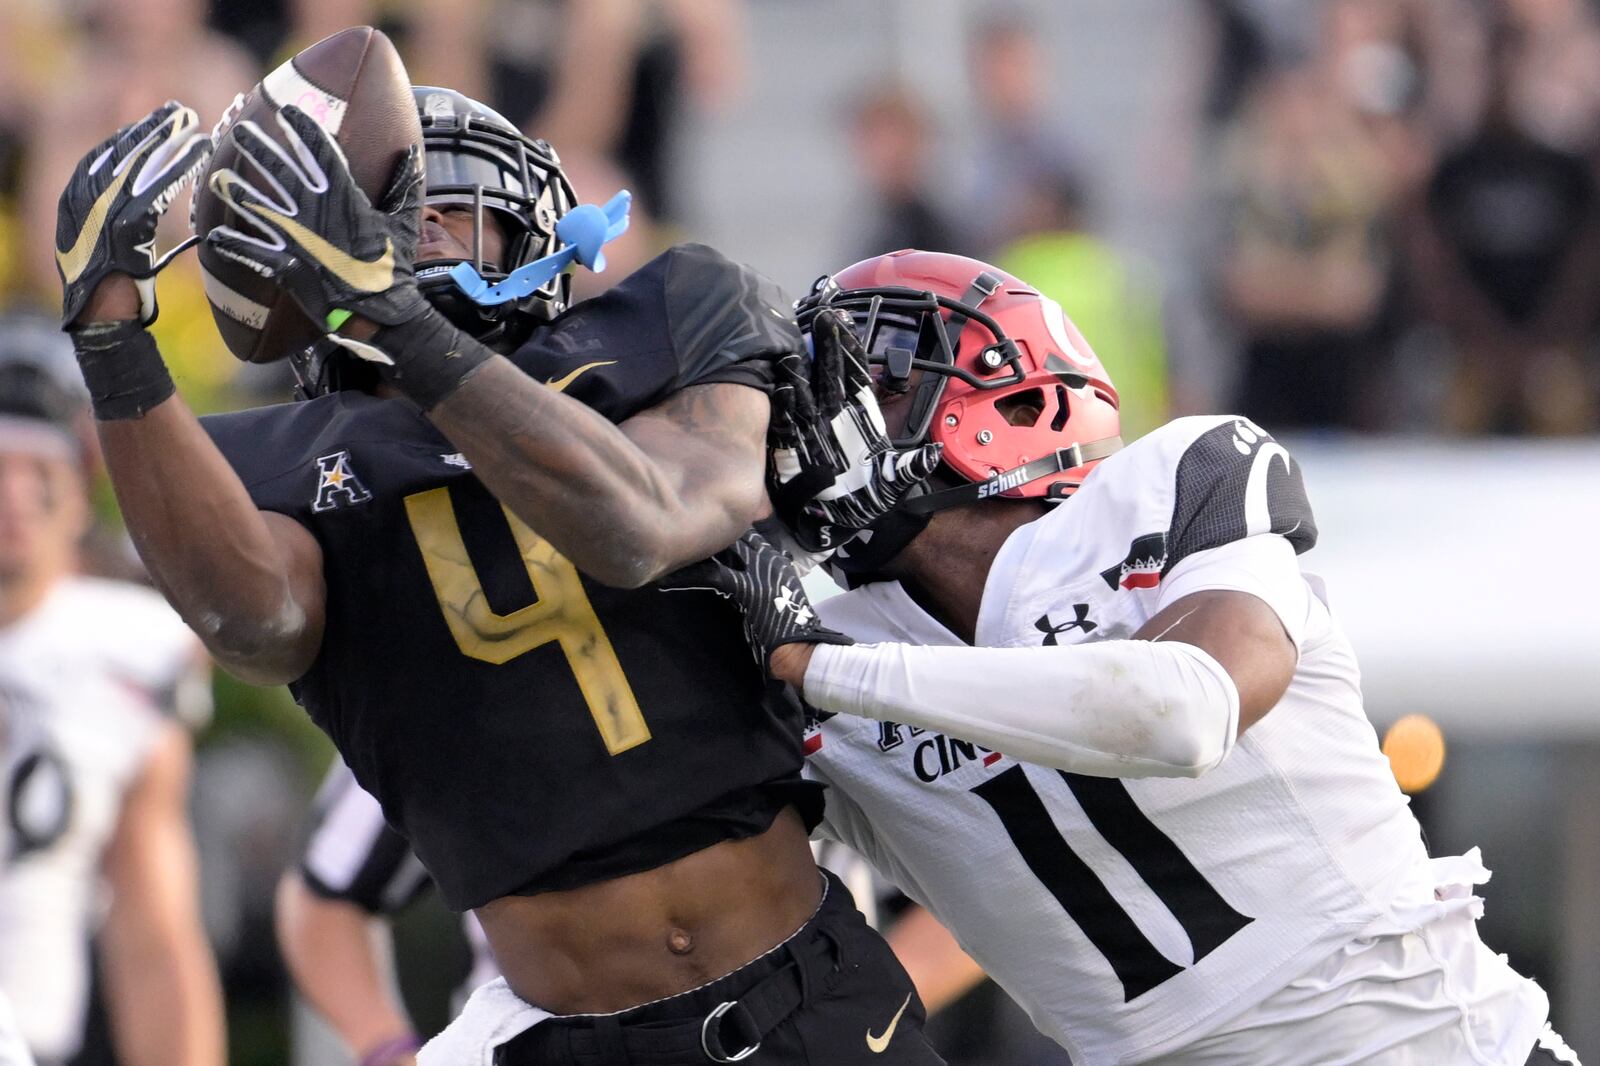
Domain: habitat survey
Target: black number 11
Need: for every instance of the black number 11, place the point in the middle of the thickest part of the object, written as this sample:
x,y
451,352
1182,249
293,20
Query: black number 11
x,y
1205,916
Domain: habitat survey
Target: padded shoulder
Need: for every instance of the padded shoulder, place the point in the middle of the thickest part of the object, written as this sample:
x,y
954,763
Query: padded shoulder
x,y
724,315
283,452
1235,481
1193,484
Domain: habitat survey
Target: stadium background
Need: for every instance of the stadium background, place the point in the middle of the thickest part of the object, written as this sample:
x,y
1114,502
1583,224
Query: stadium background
x,y
1373,226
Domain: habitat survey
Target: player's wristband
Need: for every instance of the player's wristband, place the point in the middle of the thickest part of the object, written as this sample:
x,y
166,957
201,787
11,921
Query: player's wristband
x,y
122,369
431,357
392,1050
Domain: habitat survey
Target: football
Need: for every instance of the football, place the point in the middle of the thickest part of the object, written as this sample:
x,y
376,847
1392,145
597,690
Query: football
x,y
356,87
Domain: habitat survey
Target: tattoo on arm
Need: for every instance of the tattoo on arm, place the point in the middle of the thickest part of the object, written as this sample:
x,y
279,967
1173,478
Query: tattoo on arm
x,y
625,503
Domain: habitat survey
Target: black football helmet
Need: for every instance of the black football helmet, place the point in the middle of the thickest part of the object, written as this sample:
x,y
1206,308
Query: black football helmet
x,y
40,387
475,156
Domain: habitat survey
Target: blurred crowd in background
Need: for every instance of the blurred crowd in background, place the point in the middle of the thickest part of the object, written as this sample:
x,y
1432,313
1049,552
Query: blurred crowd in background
x,y
1395,202
1391,220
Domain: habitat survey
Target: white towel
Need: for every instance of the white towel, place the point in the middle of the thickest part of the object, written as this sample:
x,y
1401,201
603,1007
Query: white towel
x,y
493,1015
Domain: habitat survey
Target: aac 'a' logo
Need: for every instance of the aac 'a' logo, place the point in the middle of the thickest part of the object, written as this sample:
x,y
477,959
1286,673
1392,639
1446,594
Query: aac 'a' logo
x,y
337,484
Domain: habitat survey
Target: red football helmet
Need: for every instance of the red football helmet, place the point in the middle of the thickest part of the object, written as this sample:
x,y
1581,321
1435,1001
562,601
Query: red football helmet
x,y
988,366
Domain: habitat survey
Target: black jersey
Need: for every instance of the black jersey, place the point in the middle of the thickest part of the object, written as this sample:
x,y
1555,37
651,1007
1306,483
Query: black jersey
x,y
349,853
525,727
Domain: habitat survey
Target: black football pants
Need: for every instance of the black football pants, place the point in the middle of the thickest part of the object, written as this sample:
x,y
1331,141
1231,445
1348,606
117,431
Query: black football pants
x,y
831,995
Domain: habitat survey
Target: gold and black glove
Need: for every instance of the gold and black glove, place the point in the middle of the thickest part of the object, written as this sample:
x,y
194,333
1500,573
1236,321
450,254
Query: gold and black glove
x,y
107,217
312,230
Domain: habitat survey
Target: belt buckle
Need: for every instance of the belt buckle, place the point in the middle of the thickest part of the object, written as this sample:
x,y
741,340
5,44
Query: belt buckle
x,y
708,1036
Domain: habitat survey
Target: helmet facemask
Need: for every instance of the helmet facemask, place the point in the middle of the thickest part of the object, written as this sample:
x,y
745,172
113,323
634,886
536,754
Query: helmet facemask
x,y
473,162
912,346
477,159
966,356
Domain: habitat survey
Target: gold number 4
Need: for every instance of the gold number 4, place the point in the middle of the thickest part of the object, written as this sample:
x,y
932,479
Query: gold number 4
x,y
561,613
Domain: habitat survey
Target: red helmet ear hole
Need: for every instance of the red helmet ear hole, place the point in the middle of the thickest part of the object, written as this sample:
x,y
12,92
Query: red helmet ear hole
x,y
1107,398
1022,408
1059,423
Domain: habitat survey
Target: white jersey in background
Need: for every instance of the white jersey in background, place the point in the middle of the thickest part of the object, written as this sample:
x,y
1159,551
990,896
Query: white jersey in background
x,y
87,681
1279,909
13,1052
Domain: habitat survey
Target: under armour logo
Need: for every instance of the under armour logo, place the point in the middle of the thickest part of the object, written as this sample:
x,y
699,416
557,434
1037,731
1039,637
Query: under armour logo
x,y
787,602
1050,631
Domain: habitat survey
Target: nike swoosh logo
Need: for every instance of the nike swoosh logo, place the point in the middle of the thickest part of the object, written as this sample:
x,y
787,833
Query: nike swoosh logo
x,y
359,274
560,384
878,1044
75,260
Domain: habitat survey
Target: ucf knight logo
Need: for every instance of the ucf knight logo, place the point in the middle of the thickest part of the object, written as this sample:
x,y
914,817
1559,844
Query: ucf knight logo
x,y
337,484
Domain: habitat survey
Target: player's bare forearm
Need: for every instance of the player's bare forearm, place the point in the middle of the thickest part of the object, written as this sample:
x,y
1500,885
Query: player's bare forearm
x,y
250,584
163,994
247,583
332,952
170,1000
1243,634
936,964
625,503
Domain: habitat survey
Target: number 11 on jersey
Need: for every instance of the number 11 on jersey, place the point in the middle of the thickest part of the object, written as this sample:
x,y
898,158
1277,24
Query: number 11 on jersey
x,y
561,613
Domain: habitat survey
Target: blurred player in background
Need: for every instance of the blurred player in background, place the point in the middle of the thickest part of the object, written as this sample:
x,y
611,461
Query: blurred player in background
x,y
354,871
1058,626
404,549
13,1052
99,684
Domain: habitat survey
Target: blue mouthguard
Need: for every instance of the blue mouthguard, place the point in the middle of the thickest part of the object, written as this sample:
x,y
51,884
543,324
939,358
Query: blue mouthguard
x,y
585,230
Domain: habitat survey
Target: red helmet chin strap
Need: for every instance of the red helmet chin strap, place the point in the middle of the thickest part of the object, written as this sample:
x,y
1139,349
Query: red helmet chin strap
x,y
1059,461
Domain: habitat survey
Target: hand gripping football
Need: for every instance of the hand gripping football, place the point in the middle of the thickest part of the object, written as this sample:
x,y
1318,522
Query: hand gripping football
x,y
355,86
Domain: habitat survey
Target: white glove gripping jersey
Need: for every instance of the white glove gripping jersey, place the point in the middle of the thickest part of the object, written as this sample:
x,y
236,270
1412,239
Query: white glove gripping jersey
x,y
1131,918
87,681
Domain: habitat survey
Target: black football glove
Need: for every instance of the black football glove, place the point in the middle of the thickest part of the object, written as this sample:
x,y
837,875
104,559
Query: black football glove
x,y
833,470
761,581
107,217
316,234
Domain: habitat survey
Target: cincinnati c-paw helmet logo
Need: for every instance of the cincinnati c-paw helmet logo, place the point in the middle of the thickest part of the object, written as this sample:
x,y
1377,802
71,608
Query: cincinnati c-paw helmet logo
x,y
1141,568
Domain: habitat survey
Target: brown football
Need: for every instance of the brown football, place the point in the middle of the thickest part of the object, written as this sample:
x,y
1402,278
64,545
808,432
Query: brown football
x,y
354,84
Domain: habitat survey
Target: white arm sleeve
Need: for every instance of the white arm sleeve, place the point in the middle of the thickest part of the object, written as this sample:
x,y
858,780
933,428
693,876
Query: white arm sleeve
x,y
1117,708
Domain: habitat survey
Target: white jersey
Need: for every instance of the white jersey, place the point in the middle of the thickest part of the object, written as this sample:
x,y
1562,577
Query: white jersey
x,y
13,1052
1131,918
88,680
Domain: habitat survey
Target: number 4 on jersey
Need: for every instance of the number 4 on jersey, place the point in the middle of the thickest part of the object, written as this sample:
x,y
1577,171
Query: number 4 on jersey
x,y
561,613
